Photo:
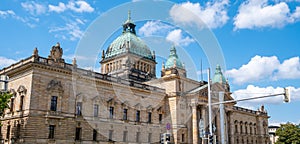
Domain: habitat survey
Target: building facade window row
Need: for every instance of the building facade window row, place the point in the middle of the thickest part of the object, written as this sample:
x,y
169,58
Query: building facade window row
x,y
113,66
111,111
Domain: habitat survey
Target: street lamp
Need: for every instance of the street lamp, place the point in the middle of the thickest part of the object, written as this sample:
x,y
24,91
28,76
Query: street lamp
x,y
4,79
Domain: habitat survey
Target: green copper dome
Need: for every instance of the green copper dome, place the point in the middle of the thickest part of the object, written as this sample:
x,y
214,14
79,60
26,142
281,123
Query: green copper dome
x,y
173,59
218,77
128,42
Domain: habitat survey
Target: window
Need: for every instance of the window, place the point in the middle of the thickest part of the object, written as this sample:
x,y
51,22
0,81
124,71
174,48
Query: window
x,y
21,103
8,132
149,137
182,137
236,129
246,129
160,118
125,114
241,127
94,134
51,131
53,103
125,136
96,109
111,112
110,135
137,118
12,101
78,133
149,117
79,108
138,136
18,131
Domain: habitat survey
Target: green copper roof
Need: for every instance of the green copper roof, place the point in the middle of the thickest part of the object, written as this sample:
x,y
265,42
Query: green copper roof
x,y
128,42
218,77
173,57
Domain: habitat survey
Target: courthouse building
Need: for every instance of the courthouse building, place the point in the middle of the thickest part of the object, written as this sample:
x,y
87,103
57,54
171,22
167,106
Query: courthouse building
x,y
58,102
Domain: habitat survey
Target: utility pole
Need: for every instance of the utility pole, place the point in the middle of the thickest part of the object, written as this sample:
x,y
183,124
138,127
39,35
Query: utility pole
x,y
209,104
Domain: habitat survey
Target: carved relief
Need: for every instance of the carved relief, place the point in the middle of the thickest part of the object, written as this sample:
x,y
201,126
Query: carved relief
x,y
55,85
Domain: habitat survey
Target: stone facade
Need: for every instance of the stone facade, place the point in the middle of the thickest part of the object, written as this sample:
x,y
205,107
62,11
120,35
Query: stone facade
x,y
57,102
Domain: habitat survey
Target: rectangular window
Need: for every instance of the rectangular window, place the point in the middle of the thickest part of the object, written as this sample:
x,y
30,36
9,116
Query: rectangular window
x,y
12,101
94,135
149,117
149,137
8,132
137,118
125,136
53,103
96,110
51,131
78,134
160,118
79,108
182,138
18,131
138,136
110,135
111,112
125,114
21,103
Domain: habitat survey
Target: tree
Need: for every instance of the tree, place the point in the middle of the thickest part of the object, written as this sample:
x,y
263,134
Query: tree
x,y
288,134
4,100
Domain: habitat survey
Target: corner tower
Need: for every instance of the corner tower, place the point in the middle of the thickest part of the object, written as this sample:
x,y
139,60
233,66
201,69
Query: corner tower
x,y
128,56
173,65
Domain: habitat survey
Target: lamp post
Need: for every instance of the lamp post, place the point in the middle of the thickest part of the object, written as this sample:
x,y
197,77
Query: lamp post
x,y
4,79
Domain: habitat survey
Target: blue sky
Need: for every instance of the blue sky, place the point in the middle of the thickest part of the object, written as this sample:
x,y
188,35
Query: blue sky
x,y
258,39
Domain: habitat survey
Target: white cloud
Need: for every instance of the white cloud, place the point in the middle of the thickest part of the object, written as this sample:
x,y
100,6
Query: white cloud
x,y
213,14
289,69
60,8
177,38
34,8
12,14
153,27
296,14
261,68
255,91
71,30
258,68
4,62
77,6
258,14
7,13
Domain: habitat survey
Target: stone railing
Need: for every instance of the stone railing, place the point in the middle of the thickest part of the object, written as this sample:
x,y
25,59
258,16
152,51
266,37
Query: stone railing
x,y
248,110
80,71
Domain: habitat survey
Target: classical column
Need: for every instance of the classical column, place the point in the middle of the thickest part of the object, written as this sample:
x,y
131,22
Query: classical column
x,y
194,120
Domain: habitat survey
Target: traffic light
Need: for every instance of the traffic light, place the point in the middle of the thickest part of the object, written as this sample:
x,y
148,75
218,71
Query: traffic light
x,y
162,138
168,137
287,96
211,139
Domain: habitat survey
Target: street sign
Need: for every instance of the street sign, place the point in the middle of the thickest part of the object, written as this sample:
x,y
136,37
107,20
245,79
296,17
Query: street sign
x,y
168,126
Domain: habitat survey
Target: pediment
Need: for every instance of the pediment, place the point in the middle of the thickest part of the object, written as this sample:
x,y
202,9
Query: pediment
x,y
22,90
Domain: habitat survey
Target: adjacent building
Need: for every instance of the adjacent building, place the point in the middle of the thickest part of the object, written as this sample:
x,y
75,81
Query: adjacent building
x,y
58,102
272,134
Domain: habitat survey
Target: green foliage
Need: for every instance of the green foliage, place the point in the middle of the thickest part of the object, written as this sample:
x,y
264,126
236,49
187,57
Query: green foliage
x,y
288,134
4,100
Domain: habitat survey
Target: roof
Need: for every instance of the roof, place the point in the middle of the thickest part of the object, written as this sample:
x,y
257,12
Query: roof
x,y
128,42
173,59
218,77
